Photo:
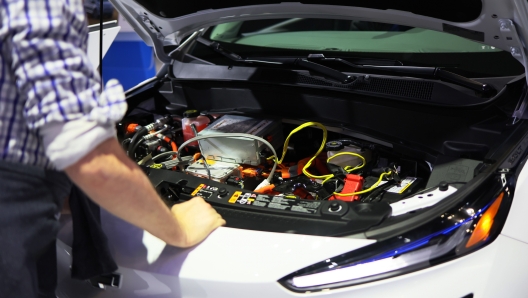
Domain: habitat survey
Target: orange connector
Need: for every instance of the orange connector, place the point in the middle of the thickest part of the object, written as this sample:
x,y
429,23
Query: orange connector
x,y
131,128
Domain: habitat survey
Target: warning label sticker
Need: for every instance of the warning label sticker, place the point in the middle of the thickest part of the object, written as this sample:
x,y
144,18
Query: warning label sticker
x,y
197,189
206,194
405,183
239,198
234,197
276,202
204,191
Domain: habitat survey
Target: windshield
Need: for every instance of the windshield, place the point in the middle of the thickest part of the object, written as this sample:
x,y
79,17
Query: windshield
x,y
350,38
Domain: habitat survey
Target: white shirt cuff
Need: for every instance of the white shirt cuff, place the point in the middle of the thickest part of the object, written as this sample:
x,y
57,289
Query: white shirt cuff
x,y
65,143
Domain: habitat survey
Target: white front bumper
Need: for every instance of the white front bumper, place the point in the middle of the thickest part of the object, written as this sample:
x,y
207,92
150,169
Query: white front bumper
x,y
242,263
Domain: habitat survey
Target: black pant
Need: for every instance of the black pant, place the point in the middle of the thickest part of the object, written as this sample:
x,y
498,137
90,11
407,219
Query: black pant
x,y
30,202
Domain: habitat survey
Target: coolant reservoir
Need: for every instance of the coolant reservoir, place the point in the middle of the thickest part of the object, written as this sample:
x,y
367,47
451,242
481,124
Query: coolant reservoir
x,y
193,117
336,147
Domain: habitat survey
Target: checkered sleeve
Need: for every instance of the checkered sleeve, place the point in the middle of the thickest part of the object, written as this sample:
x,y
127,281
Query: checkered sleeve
x,y
49,39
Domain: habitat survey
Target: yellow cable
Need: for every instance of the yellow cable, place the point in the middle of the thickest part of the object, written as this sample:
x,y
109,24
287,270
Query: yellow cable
x,y
321,148
366,190
309,163
364,162
328,178
347,168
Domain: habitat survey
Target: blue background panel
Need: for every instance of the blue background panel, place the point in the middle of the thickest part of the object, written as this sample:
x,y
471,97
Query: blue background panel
x,y
131,62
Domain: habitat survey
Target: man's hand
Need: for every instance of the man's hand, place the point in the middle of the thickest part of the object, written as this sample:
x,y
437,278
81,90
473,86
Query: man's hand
x,y
196,219
117,184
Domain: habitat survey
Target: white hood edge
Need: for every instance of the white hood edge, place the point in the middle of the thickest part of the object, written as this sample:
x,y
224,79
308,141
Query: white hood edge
x,y
496,14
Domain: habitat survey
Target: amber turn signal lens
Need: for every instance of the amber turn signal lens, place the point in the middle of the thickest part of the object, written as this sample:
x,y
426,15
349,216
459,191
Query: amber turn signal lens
x,y
485,223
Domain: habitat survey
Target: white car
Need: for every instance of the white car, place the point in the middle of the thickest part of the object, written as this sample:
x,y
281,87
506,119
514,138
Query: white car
x,y
426,101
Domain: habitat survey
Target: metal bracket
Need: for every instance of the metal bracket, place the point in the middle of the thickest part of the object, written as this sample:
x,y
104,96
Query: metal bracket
x,y
152,27
509,34
503,176
180,52
155,35
421,201
185,161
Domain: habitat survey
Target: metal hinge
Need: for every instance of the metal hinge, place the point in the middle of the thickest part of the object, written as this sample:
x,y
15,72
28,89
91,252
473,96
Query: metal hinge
x,y
504,176
152,26
510,35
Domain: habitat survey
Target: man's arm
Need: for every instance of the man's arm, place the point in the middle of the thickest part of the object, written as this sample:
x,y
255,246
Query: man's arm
x,y
118,185
62,105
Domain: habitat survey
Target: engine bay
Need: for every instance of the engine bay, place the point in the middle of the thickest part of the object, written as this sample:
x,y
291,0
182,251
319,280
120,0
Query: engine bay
x,y
278,175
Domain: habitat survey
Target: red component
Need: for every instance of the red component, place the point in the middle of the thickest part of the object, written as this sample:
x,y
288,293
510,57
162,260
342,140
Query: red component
x,y
302,193
193,117
353,183
131,128
318,164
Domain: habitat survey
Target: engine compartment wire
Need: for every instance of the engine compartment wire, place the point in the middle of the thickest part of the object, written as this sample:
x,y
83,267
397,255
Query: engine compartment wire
x,y
235,135
206,166
164,154
309,163
325,178
365,190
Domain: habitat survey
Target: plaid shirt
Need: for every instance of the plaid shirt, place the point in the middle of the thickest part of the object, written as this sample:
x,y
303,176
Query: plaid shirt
x,y
51,112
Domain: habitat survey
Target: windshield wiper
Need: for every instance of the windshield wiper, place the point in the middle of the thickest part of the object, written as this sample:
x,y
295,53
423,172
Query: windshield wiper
x,y
435,73
301,62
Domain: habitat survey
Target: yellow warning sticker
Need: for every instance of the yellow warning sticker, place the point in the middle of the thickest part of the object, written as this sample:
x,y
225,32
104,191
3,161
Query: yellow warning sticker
x,y
402,187
234,197
197,189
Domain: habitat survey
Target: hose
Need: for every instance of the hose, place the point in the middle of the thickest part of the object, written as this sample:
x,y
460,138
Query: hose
x,y
125,143
139,134
132,152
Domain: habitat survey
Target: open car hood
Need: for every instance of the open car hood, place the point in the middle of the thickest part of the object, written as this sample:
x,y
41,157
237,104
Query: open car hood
x,y
499,23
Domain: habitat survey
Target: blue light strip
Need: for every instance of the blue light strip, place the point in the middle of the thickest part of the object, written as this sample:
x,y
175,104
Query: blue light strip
x,y
421,242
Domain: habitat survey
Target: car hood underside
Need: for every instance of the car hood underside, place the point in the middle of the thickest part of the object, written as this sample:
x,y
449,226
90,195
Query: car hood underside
x,y
498,23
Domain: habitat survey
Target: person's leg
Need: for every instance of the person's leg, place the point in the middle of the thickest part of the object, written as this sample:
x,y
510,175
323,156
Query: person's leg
x,y
60,186
47,272
28,227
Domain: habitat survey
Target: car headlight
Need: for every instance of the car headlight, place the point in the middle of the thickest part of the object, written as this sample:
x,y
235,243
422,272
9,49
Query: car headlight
x,y
470,226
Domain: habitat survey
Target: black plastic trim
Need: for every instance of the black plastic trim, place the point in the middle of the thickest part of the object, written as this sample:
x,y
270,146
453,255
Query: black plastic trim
x,y
415,90
383,232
